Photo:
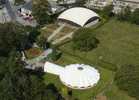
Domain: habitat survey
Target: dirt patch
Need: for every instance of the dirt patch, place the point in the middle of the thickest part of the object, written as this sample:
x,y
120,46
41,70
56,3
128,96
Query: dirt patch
x,y
101,97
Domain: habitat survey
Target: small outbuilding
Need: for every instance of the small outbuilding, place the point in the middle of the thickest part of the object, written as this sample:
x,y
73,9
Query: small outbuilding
x,y
79,16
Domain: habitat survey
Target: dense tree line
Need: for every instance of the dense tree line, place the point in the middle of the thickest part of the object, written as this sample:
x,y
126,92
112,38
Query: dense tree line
x,y
12,36
127,78
128,15
17,83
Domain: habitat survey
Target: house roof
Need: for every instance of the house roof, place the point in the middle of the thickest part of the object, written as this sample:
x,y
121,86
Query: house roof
x,y
53,68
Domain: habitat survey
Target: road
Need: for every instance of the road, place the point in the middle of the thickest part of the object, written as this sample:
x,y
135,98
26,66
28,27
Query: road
x,y
10,10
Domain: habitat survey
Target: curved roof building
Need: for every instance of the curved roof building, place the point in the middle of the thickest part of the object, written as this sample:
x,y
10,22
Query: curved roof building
x,y
76,76
79,16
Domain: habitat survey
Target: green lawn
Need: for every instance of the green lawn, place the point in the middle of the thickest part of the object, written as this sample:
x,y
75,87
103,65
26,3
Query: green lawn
x,y
115,94
119,45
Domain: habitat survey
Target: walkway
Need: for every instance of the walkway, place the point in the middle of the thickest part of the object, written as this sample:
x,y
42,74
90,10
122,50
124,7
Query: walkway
x,y
69,35
55,32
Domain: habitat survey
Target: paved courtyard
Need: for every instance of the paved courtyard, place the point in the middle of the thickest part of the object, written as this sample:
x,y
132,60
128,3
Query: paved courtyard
x,y
9,13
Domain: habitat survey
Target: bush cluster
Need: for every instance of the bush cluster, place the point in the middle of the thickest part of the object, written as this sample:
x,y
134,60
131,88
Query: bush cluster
x,y
84,40
127,15
127,78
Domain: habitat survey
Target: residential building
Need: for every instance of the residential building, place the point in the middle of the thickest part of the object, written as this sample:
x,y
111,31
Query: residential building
x,y
66,1
97,4
121,4
72,2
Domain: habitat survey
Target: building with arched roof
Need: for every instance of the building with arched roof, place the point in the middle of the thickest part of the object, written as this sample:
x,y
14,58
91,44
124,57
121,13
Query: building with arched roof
x,y
79,16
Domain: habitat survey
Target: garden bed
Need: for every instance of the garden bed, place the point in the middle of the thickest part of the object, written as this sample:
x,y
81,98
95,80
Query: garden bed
x,y
33,52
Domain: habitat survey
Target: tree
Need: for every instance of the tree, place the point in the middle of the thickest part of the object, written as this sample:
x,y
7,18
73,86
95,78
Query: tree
x,y
125,14
107,11
11,36
42,41
55,55
53,93
84,40
135,17
41,11
33,35
18,84
127,78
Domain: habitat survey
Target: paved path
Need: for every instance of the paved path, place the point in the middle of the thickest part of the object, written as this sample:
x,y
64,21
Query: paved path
x,y
10,10
55,32
69,35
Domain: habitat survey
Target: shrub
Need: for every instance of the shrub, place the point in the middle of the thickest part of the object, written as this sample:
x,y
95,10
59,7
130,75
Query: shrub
x,y
84,40
127,78
135,17
107,12
125,14
55,55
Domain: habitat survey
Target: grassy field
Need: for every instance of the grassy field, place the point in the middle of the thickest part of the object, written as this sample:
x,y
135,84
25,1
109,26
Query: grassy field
x,y
119,45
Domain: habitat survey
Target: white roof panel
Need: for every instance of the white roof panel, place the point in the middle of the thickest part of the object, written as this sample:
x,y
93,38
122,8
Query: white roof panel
x,y
80,76
53,68
78,15
76,76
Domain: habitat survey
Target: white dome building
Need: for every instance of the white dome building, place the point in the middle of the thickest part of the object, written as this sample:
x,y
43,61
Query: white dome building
x,y
79,16
76,76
